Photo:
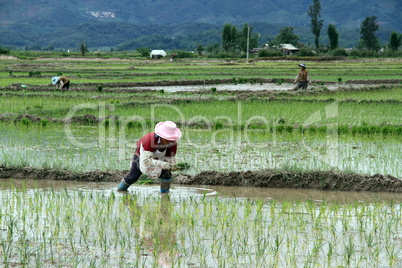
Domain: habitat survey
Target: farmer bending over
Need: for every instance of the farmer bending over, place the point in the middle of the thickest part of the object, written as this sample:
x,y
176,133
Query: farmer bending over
x,y
302,78
154,156
61,82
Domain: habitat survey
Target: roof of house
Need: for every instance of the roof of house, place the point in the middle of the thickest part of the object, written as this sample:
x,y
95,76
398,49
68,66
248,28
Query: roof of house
x,y
288,47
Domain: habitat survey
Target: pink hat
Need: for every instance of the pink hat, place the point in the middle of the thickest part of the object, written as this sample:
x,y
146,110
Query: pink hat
x,y
168,131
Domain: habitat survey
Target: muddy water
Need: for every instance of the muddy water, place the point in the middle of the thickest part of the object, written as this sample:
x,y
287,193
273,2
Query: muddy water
x,y
241,87
237,192
82,224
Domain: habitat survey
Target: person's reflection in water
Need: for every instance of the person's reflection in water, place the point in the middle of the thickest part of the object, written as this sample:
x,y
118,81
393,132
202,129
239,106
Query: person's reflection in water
x,y
166,235
157,231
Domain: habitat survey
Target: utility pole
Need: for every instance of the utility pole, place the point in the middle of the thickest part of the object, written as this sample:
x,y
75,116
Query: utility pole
x,y
248,40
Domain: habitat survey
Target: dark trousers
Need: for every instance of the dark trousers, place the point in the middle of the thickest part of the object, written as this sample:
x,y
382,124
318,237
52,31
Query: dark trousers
x,y
302,84
135,172
66,85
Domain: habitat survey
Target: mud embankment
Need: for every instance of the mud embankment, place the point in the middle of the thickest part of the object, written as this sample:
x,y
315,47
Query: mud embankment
x,y
58,174
318,180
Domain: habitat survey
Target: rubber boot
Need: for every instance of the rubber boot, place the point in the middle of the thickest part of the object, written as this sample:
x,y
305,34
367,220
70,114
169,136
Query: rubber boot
x,y
165,186
123,186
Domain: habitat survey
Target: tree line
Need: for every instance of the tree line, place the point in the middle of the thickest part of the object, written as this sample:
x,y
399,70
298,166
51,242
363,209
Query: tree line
x,y
368,28
234,39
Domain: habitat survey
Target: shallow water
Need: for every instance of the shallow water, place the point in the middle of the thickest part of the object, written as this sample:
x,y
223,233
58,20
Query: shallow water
x,y
225,192
82,224
241,87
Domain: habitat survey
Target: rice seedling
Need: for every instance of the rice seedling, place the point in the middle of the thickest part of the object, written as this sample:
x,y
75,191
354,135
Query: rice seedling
x,y
92,72
235,113
49,147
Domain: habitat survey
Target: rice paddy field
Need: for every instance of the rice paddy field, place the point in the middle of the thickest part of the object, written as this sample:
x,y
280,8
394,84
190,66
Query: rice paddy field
x,y
235,118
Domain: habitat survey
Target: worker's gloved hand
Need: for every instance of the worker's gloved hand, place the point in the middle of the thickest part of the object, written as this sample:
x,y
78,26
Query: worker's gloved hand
x,y
165,165
174,168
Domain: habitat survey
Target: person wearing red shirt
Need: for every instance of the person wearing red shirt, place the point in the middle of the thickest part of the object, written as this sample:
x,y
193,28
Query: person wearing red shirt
x,y
154,156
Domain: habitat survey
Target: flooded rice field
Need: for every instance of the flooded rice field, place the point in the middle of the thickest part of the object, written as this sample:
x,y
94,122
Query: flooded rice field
x,y
248,87
211,191
78,224
59,206
377,155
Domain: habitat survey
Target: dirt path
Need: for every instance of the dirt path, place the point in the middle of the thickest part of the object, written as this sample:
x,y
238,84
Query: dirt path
x,y
319,180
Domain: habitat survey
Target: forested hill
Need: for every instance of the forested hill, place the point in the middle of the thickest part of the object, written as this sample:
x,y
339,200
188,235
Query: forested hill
x,y
62,13
111,23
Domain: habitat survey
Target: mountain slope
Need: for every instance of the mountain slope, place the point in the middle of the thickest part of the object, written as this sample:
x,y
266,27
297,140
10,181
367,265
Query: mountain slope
x,y
62,13
180,24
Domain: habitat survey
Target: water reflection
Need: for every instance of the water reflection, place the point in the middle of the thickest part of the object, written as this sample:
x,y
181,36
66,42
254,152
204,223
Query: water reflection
x,y
156,230
90,224
242,87
181,191
303,194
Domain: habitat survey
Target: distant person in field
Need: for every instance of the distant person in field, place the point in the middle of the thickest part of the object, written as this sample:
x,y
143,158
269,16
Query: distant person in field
x,y
61,82
302,78
155,156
